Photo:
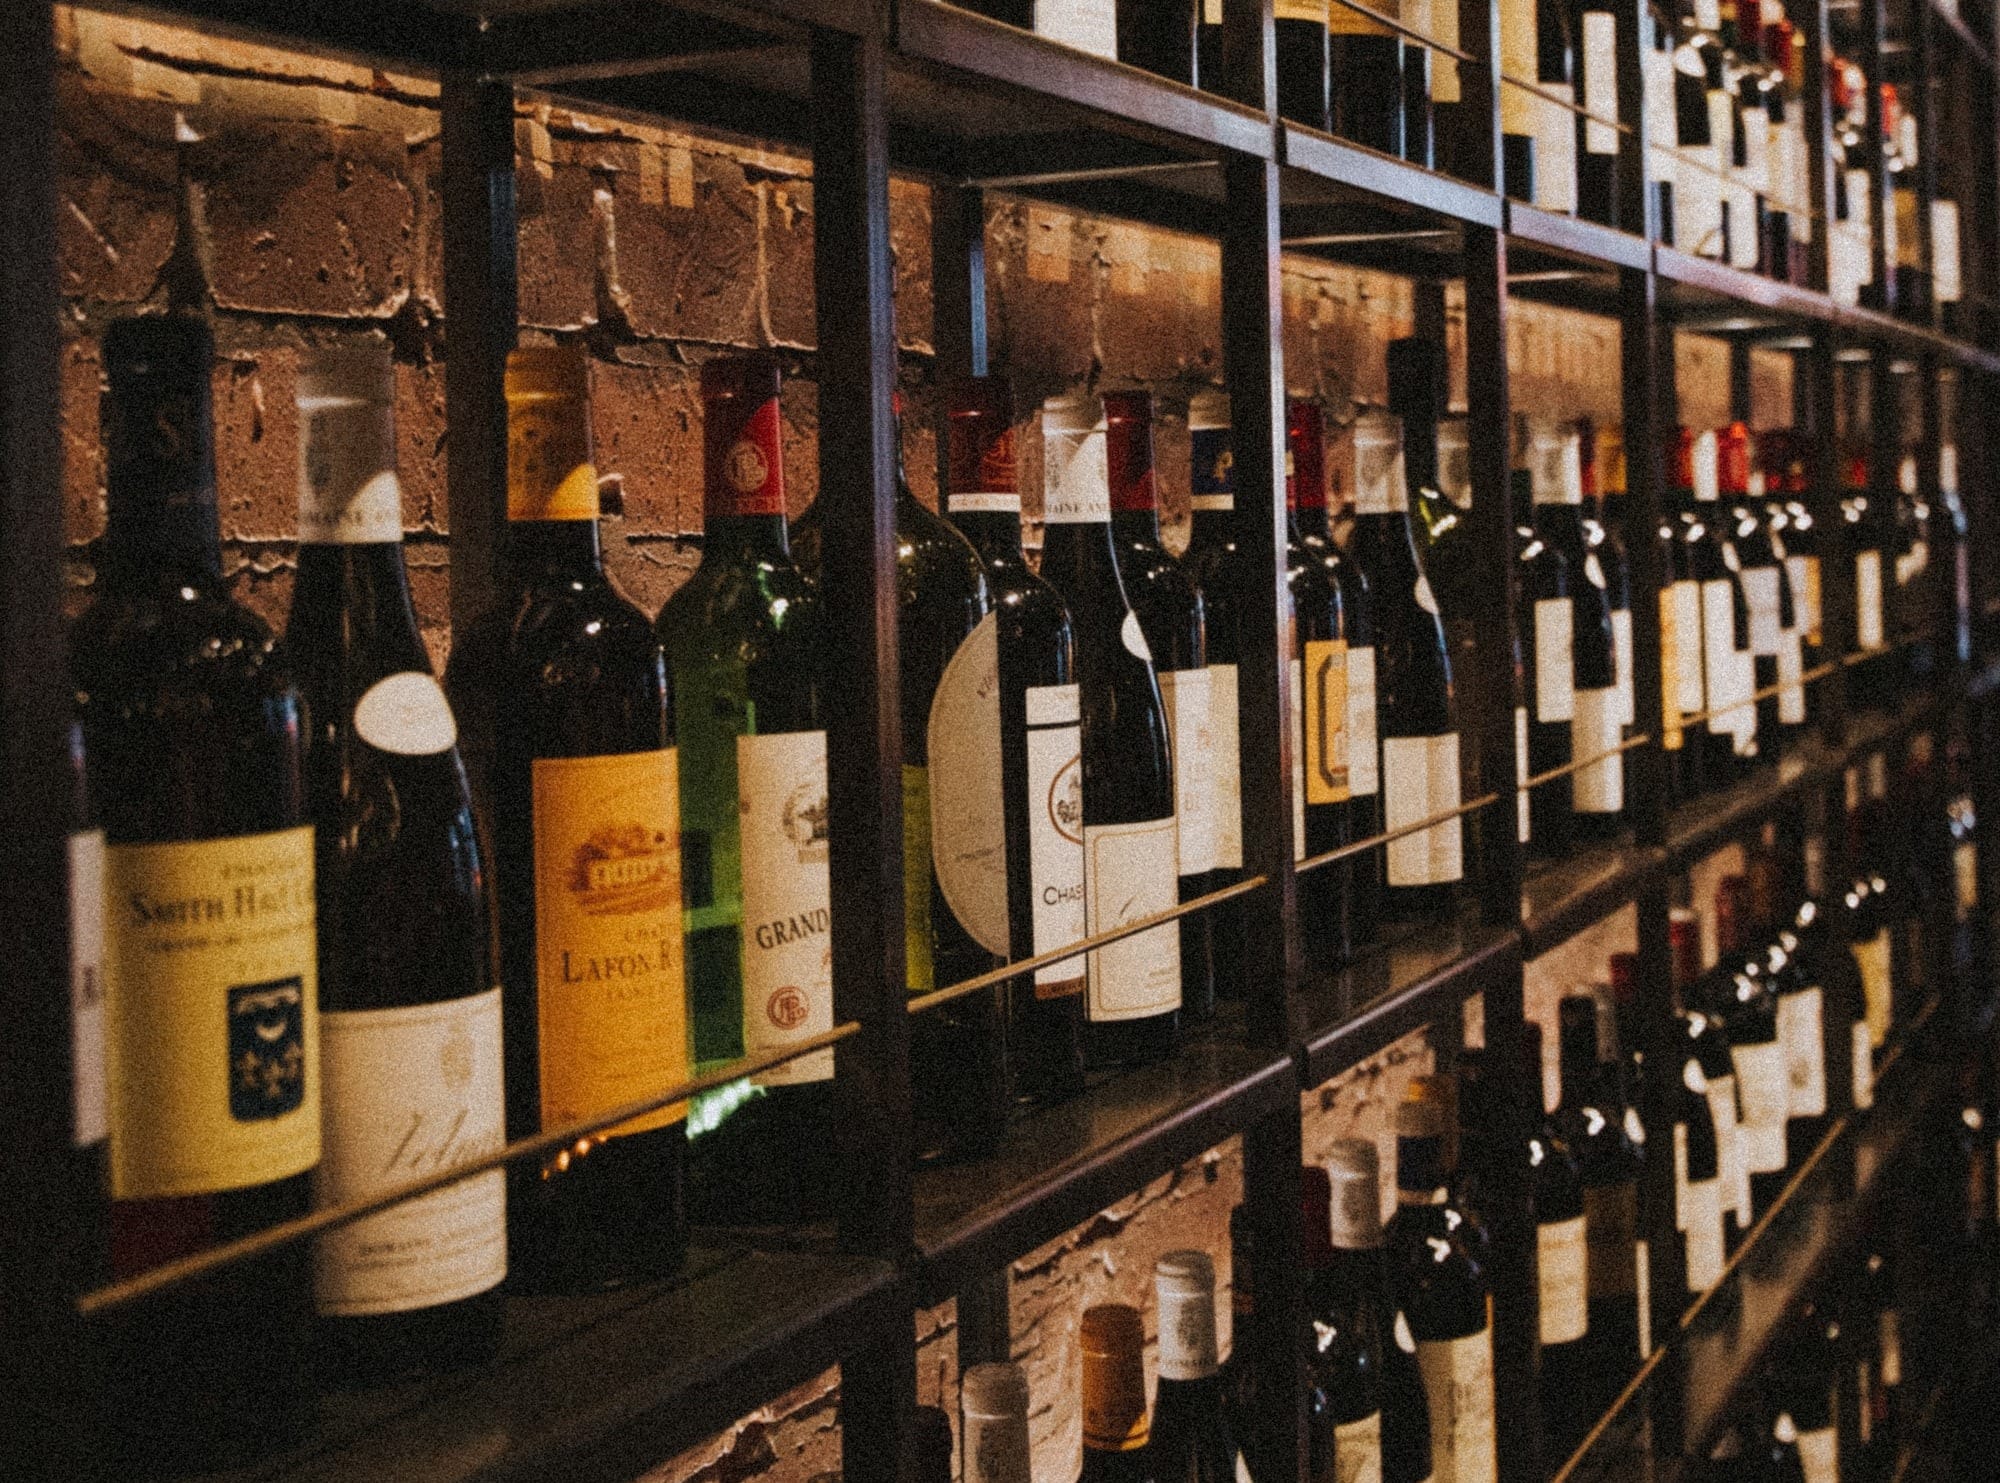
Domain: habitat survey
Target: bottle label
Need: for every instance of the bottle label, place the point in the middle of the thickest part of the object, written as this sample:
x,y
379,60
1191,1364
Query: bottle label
x,y
1600,81
1791,675
1521,808
406,714
1555,675
1801,1030
1187,1336
1520,110
1422,782
213,1052
1873,958
995,1448
549,472
919,970
1076,477
1611,1228
1597,787
1760,593
1132,871
1211,469
1688,661
1055,832
1734,1174
1819,1455
411,1092
1891,1343
966,800
1563,1255
1671,738
1965,874
1227,818
348,494
1087,25
1364,762
1621,658
1188,697
1706,1249
1868,599
1763,1090
743,459
787,900
610,986
1380,487
1326,742
89,1118
983,502
1718,629
1357,1450
1458,1386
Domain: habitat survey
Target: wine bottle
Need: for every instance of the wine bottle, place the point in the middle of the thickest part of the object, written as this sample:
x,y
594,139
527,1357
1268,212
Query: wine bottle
x,y
1760,569
1604,533
194,733
1555,128
1352,1311
1790,532
1728,670
410,1043
1211,560
1190,1441
1547,616
1365,805
1597,787
1321,759
1159,36
1415,705
1596,144
1710,1046
1365,62
1041,743
1419,83
1698,1191
1520,109
1802,1033
743,642
1245,1395
1130,838
1744,998
1444,1294
90,1128
993,1422
1806,1375
564,687
930,1446
1858,510
1850,1049
1112,1339
1562,1266
1301,27
1169,609
1683,679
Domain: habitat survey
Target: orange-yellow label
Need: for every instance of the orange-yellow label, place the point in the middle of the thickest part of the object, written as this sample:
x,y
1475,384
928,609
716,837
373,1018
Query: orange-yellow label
x,y
611,988
549,472
1670,675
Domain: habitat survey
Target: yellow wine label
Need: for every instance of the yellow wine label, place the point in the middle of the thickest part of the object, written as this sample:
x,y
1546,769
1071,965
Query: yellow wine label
x,y
214,1044
610,969
550,475
1343,19
919,973
1670,676
1325,677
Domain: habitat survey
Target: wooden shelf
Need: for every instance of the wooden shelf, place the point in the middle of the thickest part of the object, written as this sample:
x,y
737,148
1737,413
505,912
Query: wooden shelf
x,y
1560,898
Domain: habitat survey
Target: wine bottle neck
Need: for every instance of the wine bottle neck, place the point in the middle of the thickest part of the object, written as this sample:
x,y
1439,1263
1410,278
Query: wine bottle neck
x,y
1137,525
993,533
747,535
162,527
554,548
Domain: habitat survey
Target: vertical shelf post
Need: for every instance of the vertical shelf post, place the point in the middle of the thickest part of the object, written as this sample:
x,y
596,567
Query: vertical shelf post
x,y
1815,25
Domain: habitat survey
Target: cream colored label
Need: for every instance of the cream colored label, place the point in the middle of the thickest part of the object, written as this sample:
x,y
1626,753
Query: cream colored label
x,y
1621,651
1862,1062
1187,1335
348,494
1868,599
1521,809
213,1051
1458,1386
1688,664
1421,781
1965,874
1719,666
1760,593
1802,1032
1597,787
406,714
1735,1176
1188,696
1671,736
1055,832
787,899
1357,1450
1131,872
1873,958
1087,25
1223,727
1076,478
1819,1455
983,502
90,1121
610,991
1891,1342
1364,763
1326,742
1562,1255
967,800
1555,674
1791,674
411,1092
1555,148
1600,81
1763,1091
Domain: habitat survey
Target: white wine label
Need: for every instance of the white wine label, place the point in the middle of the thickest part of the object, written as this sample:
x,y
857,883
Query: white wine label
x,y
1868,599
1357,1450
1947,277
1521,808
1426,599
1735,1177
1819,1455
1133,637
1087,25
1131,871
89,1118
1598,787
1621,651
1611,1234
1405,1340
1760,593
1705,1243
1076,476
1364,761
1562,1253
1791,675
1802,1032
787,899
1055,832
411,1092
1873,958
1458,1386
1555,671
1763,1090
1187,1331
1228,809
1189,698
968,800
1862,1065
1718,643
348,494
406,714
1600,81
1688,671
212,1058
983,502
1555,148
1421,781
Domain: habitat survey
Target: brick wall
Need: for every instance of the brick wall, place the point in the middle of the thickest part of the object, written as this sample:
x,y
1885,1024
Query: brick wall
x,y
296,202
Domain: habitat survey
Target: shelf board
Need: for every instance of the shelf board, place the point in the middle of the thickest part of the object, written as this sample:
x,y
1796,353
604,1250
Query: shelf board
x,y
1061,1165
1560,898
604,1387
1578,239
1329,176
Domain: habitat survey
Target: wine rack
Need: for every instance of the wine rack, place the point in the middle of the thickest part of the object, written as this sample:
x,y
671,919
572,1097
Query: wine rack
x,y
603,1388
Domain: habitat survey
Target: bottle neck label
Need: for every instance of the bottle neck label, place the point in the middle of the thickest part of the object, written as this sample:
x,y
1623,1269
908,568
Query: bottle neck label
x,y
348,492
1077,477
1129,466
549,472
743,462
1187,1336
983,502
1212,469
